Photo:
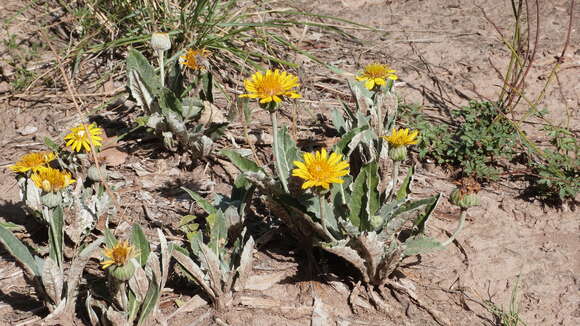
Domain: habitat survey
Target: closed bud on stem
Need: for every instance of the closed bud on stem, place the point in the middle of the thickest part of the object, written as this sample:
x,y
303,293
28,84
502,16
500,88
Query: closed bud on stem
x,y
123,272
398,153
464,200
51,199
160,41
376,222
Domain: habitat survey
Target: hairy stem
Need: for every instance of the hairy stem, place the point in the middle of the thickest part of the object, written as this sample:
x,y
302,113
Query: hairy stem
x,y
161,67
276,148
323,218
394,177
458,229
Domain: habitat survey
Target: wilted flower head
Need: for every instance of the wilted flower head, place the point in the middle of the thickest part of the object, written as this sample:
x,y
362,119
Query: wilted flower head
x,y
50,180
195,59
376,74
318,169
82,135
119,255
272,86
33,162
160,41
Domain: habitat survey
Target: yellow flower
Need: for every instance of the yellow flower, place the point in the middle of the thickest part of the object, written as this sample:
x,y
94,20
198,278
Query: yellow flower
x,y
401,137
195,59
318,169
376,74
33,161
271,86
119,255
79,138
49,179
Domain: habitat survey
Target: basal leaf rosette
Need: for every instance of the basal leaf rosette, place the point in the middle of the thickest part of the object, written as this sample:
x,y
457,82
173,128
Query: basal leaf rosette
x,y
271,87
81,137
398,141
376,75
33,162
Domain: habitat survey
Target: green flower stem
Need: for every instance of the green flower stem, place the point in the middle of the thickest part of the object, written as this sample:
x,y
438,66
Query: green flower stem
x,y
459,227
379,104
323,218
276,148
161,67
395,176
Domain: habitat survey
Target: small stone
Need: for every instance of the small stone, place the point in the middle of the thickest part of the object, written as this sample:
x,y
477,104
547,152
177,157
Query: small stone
x,y
27,130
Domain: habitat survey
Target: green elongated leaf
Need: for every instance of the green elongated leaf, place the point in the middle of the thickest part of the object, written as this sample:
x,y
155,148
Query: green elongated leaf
x,y
356,203
218,226
420,245
137,62
10,226
346,139
338,121
421,220
19,251
51,144
168,102
132,306
175,79
139,240
56,236
405,187
242,193
110,240
242,163
371,188
286,155
150,301
207,92
202,202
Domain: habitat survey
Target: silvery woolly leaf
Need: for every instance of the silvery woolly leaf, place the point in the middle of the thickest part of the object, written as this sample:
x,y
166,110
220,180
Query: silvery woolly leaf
x,y
115,318
93,318
155,121
371,250
193,269
52,280
211,260
351,256
140,92
139,282
165,258
30,194
421,245
246,262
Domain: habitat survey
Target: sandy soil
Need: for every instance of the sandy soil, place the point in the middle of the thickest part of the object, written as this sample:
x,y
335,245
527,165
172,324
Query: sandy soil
x,y
445,53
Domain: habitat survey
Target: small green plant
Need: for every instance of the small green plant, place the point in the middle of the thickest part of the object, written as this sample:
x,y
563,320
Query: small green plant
x,y
477,143
168,109
511,317
558,171
220,259
359,218
136,275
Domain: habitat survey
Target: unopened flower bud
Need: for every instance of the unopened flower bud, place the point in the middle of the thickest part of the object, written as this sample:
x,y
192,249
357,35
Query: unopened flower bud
x,y
398,153
51,199
464,200
376,222
123,272
160,41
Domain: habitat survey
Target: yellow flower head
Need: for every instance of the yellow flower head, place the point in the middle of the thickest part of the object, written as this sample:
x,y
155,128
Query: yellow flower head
x,y
194,59
401,137
79,138
271,86
376,74
318,169
119,255
49,179
33,161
